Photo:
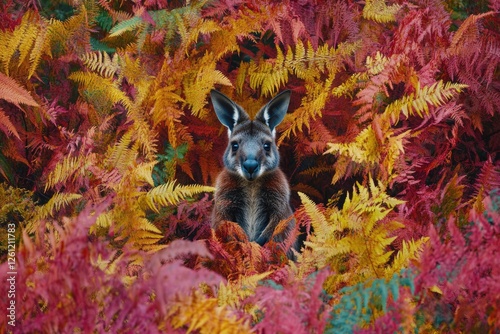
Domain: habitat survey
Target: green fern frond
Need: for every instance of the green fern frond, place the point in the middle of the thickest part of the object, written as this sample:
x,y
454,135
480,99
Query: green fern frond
x,y
171,194
130,24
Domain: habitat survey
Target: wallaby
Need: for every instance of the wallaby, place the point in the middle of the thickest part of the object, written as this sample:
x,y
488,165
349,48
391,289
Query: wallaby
x,y
252,191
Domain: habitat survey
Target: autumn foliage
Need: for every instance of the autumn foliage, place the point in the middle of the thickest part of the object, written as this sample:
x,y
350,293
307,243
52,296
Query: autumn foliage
x,y
109,149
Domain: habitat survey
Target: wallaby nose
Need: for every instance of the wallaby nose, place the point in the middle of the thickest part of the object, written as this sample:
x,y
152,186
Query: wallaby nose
x,y
250,165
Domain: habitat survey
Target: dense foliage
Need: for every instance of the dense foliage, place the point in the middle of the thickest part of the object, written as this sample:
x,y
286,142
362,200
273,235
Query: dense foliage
x,y
109,148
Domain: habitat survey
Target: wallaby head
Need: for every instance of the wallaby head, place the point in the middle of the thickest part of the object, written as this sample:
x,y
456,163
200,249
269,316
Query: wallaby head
x,y
252,149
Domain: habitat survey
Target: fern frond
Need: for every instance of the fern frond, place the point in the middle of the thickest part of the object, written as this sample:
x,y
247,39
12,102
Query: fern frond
x,y
232,293
418,103
6,125
93,83
72,34
100,62
196,313
17,45
348,87
70,166
409,251
378,11
49,209
14,93
198,83
130,24
269,75
171,194
321,226
123,154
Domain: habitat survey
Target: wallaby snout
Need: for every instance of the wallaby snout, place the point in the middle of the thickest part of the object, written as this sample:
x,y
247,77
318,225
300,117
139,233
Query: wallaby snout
x,y
250,167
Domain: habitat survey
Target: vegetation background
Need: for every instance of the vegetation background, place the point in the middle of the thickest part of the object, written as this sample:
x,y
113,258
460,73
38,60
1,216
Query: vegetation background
x,y
109,148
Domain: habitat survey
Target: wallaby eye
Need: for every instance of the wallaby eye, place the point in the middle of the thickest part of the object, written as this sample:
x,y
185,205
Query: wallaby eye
x,y
267,146
234,146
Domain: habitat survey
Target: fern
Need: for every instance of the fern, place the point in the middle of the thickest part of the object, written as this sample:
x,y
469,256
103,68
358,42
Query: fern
x,y
359,231
56,203
233,293
101,62
418,103
14,93
378,11
201,314
69,167
6,125
364,301
171,194
95,84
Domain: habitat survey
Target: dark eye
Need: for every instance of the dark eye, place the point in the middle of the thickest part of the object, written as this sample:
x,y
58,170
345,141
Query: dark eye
x,y
267,146
234,146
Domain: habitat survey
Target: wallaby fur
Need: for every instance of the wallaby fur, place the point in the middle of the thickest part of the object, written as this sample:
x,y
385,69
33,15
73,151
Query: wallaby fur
x,y
252,191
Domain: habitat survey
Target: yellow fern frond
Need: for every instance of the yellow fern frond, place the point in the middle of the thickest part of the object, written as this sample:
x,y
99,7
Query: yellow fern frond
x,y
95,84
100,62
232,293
321,226
356,236
365,148
58,201
418,103
198,84
17,45
171,194
123,154
104,220
69,167
72,33
377,64
269,75
378,11
199,314
410,250
347,87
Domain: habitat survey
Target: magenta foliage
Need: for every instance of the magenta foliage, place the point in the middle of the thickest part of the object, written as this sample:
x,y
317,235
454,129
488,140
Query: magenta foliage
x,y
459,280
298,307
60,287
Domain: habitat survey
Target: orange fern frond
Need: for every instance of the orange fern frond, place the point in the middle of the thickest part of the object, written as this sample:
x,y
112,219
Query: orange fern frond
x,y
14,93
6,125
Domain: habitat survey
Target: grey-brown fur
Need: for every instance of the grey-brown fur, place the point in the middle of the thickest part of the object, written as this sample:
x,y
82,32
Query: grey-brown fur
x,y
252,191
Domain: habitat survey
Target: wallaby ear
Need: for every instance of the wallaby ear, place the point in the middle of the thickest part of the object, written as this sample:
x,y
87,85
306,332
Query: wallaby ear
x,y
275,110
228,112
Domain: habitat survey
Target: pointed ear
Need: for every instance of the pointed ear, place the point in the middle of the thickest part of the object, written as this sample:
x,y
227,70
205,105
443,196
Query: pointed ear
x,y
273,112
228,112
